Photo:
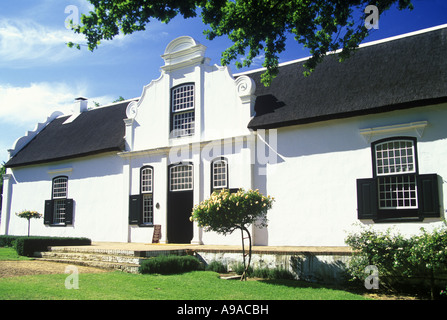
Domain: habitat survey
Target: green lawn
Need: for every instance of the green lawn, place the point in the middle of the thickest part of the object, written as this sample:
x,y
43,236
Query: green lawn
x,y
197,285
10,254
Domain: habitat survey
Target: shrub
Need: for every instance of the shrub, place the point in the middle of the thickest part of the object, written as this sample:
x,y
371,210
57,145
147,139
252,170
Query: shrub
x,y
266,273
26,246
170,265
422,256
216,266
280,273
7,241
239,269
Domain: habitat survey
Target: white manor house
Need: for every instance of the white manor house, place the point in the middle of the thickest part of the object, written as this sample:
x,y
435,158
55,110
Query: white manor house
x,y
359,142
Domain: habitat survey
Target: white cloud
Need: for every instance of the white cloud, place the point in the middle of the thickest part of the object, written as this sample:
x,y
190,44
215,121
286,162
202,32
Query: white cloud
x,y
21,108
25,43
34,103
25,40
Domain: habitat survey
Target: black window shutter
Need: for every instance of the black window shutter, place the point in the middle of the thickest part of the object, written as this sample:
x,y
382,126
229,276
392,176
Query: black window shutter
x,y
134,209
366,198
69,211
48,213
428,196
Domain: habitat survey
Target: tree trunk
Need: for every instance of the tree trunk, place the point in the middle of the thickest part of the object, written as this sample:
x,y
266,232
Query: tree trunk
x,y
246,265
432,284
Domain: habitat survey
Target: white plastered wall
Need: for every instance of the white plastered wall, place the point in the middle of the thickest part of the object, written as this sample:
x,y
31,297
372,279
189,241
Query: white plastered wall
x,y
94,183
314,183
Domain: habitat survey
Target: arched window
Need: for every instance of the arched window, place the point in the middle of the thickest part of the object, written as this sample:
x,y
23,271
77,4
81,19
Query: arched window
x,y
219,174
59,210
60,190
146,190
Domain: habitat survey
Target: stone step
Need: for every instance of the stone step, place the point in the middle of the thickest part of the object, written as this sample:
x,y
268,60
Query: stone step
x,y
126,267
120,252
124,260
91,257
87,250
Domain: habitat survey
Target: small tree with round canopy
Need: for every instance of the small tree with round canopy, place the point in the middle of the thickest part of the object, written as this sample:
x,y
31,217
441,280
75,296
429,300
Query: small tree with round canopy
x,y
224,212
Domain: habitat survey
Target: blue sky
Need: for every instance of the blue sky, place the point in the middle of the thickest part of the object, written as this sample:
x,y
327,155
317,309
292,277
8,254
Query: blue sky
x,y
40,74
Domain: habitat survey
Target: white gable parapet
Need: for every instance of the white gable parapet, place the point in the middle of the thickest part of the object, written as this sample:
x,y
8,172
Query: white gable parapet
x,y
246,88
131,113
21,142
183,52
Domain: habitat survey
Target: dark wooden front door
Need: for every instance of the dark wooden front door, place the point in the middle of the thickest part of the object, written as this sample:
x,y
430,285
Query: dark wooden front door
x,y
180,203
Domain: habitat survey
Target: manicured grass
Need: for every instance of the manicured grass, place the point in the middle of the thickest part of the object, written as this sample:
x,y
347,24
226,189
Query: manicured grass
x,y
197,285
10,254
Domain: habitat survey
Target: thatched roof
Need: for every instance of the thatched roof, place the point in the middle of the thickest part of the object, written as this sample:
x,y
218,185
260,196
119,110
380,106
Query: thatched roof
x,y
95,131
402,73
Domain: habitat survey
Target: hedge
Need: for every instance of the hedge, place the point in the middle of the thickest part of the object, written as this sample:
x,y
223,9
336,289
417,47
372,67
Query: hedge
x,y
170,264
26,246
7,241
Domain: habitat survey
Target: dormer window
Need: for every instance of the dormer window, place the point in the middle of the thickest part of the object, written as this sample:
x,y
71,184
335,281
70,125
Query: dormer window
x,y
182,110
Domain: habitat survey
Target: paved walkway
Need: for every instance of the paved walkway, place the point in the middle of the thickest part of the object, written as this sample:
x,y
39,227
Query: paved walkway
x,y
220,248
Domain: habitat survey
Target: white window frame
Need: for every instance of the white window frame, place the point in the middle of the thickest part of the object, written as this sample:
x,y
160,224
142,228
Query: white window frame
x,y
183,110
148,208
146,179
219,173
395,157
183,97
146,190
59,195
181,177
396,171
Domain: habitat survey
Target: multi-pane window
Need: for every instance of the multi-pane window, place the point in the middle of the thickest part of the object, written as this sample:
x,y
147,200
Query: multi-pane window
x,y
183,97
395,167
181,177
60,187
148,209
59,209
395,157
146,180
219,174
397,192
182,112
59,198
147,195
